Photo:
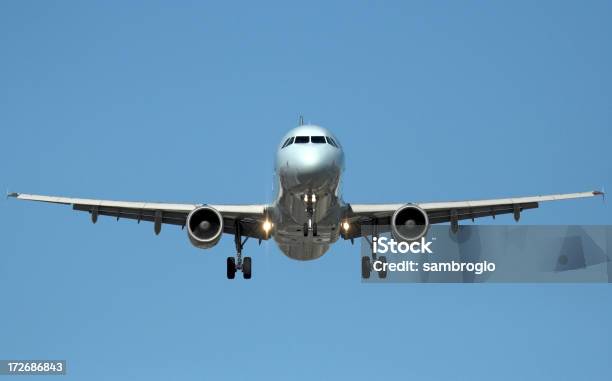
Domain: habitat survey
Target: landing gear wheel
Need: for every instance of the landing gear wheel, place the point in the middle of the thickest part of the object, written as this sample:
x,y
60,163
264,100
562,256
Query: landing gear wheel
x,y
366,267
305,229
382,274
246,268
231,267
314,229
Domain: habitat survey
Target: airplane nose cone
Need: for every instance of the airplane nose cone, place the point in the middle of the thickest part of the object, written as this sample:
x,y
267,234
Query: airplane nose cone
x,y
309,164
314,169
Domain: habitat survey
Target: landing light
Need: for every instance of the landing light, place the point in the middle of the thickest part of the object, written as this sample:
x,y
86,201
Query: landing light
x,y
345,226
267,225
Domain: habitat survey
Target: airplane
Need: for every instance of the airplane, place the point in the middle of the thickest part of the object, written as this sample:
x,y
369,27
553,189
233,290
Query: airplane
x,y
308,213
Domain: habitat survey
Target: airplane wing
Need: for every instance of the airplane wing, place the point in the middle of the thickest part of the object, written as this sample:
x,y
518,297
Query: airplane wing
x,y
439,212
248,216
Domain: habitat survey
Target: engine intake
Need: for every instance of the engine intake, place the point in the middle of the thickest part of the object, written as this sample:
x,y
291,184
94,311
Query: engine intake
x,y
204,227
409,223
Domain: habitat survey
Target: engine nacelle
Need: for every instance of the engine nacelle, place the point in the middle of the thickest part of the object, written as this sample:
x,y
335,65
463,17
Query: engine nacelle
x,y
204,227
409,223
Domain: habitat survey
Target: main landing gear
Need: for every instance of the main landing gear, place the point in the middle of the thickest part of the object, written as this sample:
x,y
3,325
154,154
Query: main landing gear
x,y
367,263
310,199
238,263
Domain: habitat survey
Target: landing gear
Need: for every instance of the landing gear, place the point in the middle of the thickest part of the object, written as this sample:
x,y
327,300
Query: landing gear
x,y
238,263
367,263
310,199
231,268
310,226
246,268
382,274
366,267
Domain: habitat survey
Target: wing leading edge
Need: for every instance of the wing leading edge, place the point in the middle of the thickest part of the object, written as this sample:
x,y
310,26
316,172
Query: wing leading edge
x,y
248,216
439,212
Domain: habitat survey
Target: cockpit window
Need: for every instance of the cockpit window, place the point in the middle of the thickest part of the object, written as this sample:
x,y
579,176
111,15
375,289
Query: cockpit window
x,y
310,139
288,142
331,141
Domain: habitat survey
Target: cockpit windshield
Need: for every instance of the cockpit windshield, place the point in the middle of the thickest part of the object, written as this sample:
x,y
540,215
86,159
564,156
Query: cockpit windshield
x,y
331,141
310,139
288,142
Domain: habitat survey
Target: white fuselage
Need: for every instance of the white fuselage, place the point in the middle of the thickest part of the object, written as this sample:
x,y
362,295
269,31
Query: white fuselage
x,y
311,164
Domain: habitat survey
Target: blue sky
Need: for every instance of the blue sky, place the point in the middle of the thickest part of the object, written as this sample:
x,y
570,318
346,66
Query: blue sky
x,y
187,102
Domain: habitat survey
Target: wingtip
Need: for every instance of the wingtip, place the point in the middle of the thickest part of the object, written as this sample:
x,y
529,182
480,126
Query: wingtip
x,y
600,193
11,194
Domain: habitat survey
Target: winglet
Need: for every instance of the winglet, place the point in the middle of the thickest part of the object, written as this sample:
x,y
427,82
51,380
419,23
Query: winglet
x,y
601,193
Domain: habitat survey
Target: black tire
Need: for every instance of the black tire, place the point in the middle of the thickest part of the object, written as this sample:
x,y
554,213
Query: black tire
x,y
314,229
231,267
382,274
366,267
246,268
305,229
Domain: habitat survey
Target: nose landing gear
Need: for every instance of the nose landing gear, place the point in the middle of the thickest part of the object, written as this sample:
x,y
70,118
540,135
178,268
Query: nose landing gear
x,y
310,199
310,226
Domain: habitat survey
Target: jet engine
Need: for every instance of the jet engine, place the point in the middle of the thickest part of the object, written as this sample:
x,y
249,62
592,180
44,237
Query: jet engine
x,y
409,223
204,227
